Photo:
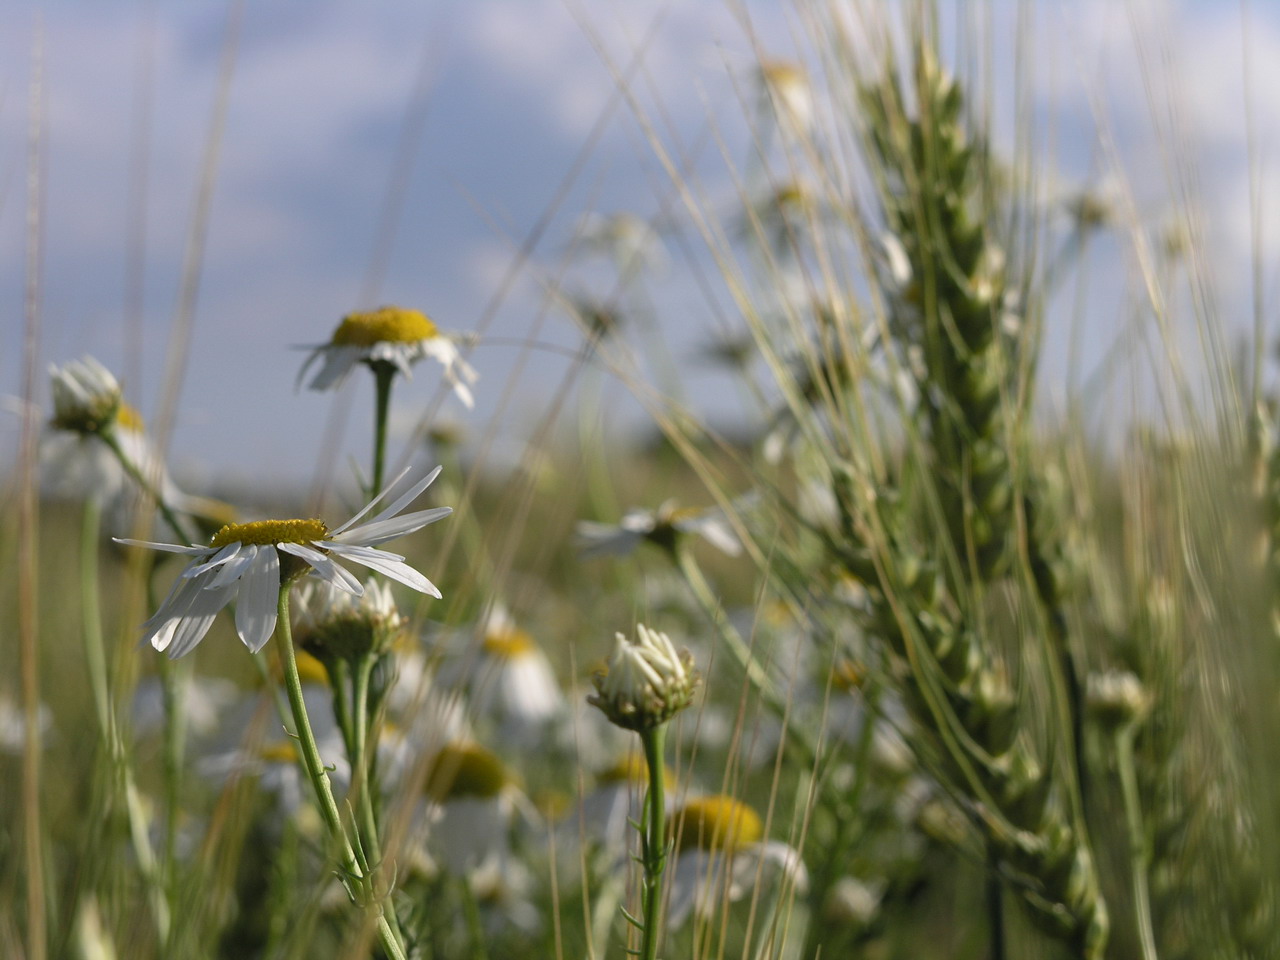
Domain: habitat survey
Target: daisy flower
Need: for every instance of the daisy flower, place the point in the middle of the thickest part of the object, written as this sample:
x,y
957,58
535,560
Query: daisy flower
x,y
472,800
393,336
662,527
509,679
787,87
248,562
720,854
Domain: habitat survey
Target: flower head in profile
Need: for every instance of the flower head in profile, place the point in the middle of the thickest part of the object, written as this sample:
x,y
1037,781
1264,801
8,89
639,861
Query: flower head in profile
x,y
647,681
721,854
663,527
393,336
86,396
248,562
333,623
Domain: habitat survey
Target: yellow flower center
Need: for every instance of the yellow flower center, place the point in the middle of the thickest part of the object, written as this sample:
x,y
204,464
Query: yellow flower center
x,y
310,669
465,770
129,418
782,73
509,643
282,751
847,676
393,324
263,532
716,823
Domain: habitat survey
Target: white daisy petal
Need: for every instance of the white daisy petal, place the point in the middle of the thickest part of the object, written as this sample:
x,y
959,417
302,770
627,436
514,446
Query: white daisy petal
x,y
395,569
192,628
224,555
325,568
400,503
380,531
376,500
259,593
232,569
192,551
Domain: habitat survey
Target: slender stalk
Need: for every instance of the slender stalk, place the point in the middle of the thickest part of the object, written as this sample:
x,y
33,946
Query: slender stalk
x,y
91,611
383,376
1139,857
315,770
653,840
995,904
174,677
142,480
361,767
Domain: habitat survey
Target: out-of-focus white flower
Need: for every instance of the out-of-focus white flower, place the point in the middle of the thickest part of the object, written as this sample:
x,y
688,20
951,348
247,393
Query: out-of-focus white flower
x,y
852,902
629,241
13,725
77,461
86,396
721,851
243,562
615,801
787,85
204,705
389,335
251,742
1117,699
647,681
471,802
662,527
508,680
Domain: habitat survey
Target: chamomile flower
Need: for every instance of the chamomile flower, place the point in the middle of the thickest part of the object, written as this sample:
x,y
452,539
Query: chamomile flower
x,y
721,852
662,527
247,562
616,801
330,622
787,86
472,800
393,336
508,679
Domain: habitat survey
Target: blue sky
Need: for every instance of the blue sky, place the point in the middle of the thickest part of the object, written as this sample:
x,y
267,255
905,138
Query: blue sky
x,y
318,100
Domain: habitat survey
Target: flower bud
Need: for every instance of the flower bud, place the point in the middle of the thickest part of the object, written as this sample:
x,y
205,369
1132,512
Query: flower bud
x,y
646,682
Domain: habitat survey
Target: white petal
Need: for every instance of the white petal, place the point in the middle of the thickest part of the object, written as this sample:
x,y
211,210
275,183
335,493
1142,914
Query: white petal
x,y
385,564
234,568
192,628
338,362
376,500
403,501
325,568
259,593
380,531
192,551
222,556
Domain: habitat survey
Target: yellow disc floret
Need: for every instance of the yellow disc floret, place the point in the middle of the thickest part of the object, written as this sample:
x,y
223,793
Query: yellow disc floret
x,y
508,643
128,417
263,532
386,324
465,770
282,751
716,823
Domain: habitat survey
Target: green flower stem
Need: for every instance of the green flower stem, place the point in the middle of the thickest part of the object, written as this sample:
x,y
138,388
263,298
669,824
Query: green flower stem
x,y
314,768
135,473
383,377
363,780
175,676
1139,855
653,839
94,651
